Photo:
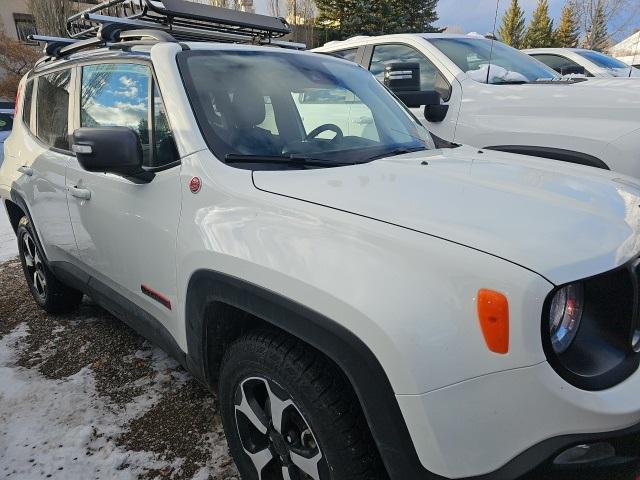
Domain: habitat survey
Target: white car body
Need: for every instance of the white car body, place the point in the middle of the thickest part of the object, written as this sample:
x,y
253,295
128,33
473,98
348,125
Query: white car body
x,y
581,57
393,252
593,122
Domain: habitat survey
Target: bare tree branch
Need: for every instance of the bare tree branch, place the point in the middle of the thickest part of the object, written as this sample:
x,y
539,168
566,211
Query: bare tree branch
x,y
273,7
16,59
619,15
51,15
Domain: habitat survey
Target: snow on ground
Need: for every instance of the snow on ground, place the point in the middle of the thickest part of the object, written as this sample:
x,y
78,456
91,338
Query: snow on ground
x,y
8,245
62,428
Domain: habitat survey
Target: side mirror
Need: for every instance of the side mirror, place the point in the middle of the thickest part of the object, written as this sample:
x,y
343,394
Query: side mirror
x,y
436,113
573,70
403,79
110,150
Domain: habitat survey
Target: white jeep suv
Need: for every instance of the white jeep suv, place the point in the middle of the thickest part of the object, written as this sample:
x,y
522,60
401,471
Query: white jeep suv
x,y
366,306
518,105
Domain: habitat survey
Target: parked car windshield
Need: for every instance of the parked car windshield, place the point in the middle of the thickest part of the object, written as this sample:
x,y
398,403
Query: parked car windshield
x,y
508,65
613,65
285,104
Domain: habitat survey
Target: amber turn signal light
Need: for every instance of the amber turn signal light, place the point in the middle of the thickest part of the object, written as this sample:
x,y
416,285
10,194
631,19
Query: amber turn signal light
x,y
493,313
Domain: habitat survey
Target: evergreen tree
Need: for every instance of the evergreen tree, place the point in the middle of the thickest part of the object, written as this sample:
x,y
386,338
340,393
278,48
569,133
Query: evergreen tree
x,y
376,17
597,37
540,31
567,35
334,15
418,16
511,29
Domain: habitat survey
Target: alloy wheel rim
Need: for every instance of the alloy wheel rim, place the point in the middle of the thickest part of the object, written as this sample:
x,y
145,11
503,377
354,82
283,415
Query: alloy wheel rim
x,y
274,434
35,267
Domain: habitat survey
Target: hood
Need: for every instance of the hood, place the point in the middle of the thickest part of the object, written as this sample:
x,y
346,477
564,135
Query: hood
x,y
629,72
562,221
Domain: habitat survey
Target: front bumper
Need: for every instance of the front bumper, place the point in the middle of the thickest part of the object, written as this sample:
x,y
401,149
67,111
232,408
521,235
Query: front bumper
x,y
504,425
622,463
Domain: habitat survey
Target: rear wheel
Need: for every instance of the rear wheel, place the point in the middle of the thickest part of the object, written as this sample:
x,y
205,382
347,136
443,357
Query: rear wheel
x,y
290,414
50,294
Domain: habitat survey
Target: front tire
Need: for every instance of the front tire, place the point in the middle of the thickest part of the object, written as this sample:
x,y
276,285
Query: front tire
x,y
290,414
48,292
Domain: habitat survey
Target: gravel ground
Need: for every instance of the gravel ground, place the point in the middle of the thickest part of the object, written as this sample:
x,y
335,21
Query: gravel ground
x,y
180,427
153,420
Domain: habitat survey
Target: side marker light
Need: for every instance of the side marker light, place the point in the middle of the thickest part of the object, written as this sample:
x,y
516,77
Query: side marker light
x,y
493,313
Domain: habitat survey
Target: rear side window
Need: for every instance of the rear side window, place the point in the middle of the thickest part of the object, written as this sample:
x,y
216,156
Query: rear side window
x,y
52,107
349,54
26,105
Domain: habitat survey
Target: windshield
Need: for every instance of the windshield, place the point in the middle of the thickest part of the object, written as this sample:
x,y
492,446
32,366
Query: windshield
x,y
615,66
508,65
283,104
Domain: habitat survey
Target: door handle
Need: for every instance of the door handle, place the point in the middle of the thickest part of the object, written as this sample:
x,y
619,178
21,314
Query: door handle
x,y
81,193
26,170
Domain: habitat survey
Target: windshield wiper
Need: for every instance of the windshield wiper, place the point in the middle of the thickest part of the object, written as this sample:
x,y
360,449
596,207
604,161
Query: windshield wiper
x,y
397,151
510,82
294,159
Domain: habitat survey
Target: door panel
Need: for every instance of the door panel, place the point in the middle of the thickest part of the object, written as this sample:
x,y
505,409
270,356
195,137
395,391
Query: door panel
x,y
126,231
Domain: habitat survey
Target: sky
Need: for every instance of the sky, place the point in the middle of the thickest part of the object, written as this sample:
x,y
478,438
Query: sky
x,y
478,15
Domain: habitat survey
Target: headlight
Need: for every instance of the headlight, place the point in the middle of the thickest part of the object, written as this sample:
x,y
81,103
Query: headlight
x,y
591,328
565,316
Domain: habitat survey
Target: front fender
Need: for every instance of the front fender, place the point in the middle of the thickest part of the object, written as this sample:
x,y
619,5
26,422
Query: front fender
x,y
408,296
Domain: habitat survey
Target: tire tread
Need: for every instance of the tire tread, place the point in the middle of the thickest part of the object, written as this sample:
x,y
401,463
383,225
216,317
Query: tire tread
x,y
328,390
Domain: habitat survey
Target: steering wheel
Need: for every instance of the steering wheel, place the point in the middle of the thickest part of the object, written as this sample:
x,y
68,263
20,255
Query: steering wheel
x,y
327,127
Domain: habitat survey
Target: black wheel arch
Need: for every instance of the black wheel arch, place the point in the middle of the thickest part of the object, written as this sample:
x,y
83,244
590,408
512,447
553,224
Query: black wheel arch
x,y
16,209
214,298
14,212
552,153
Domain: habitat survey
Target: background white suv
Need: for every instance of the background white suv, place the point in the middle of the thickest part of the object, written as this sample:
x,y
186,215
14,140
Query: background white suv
x,y
519,105
593,64
367,306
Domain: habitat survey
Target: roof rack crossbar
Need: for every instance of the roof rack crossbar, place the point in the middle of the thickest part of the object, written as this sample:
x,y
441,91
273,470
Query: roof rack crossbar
x,y
52,44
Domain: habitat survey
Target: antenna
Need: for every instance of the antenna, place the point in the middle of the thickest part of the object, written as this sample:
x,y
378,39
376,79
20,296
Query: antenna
x,y
633,59
493,39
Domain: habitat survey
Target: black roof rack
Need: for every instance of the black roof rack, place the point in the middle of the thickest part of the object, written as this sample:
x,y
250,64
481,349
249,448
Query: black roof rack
x,y
185,21
121,23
